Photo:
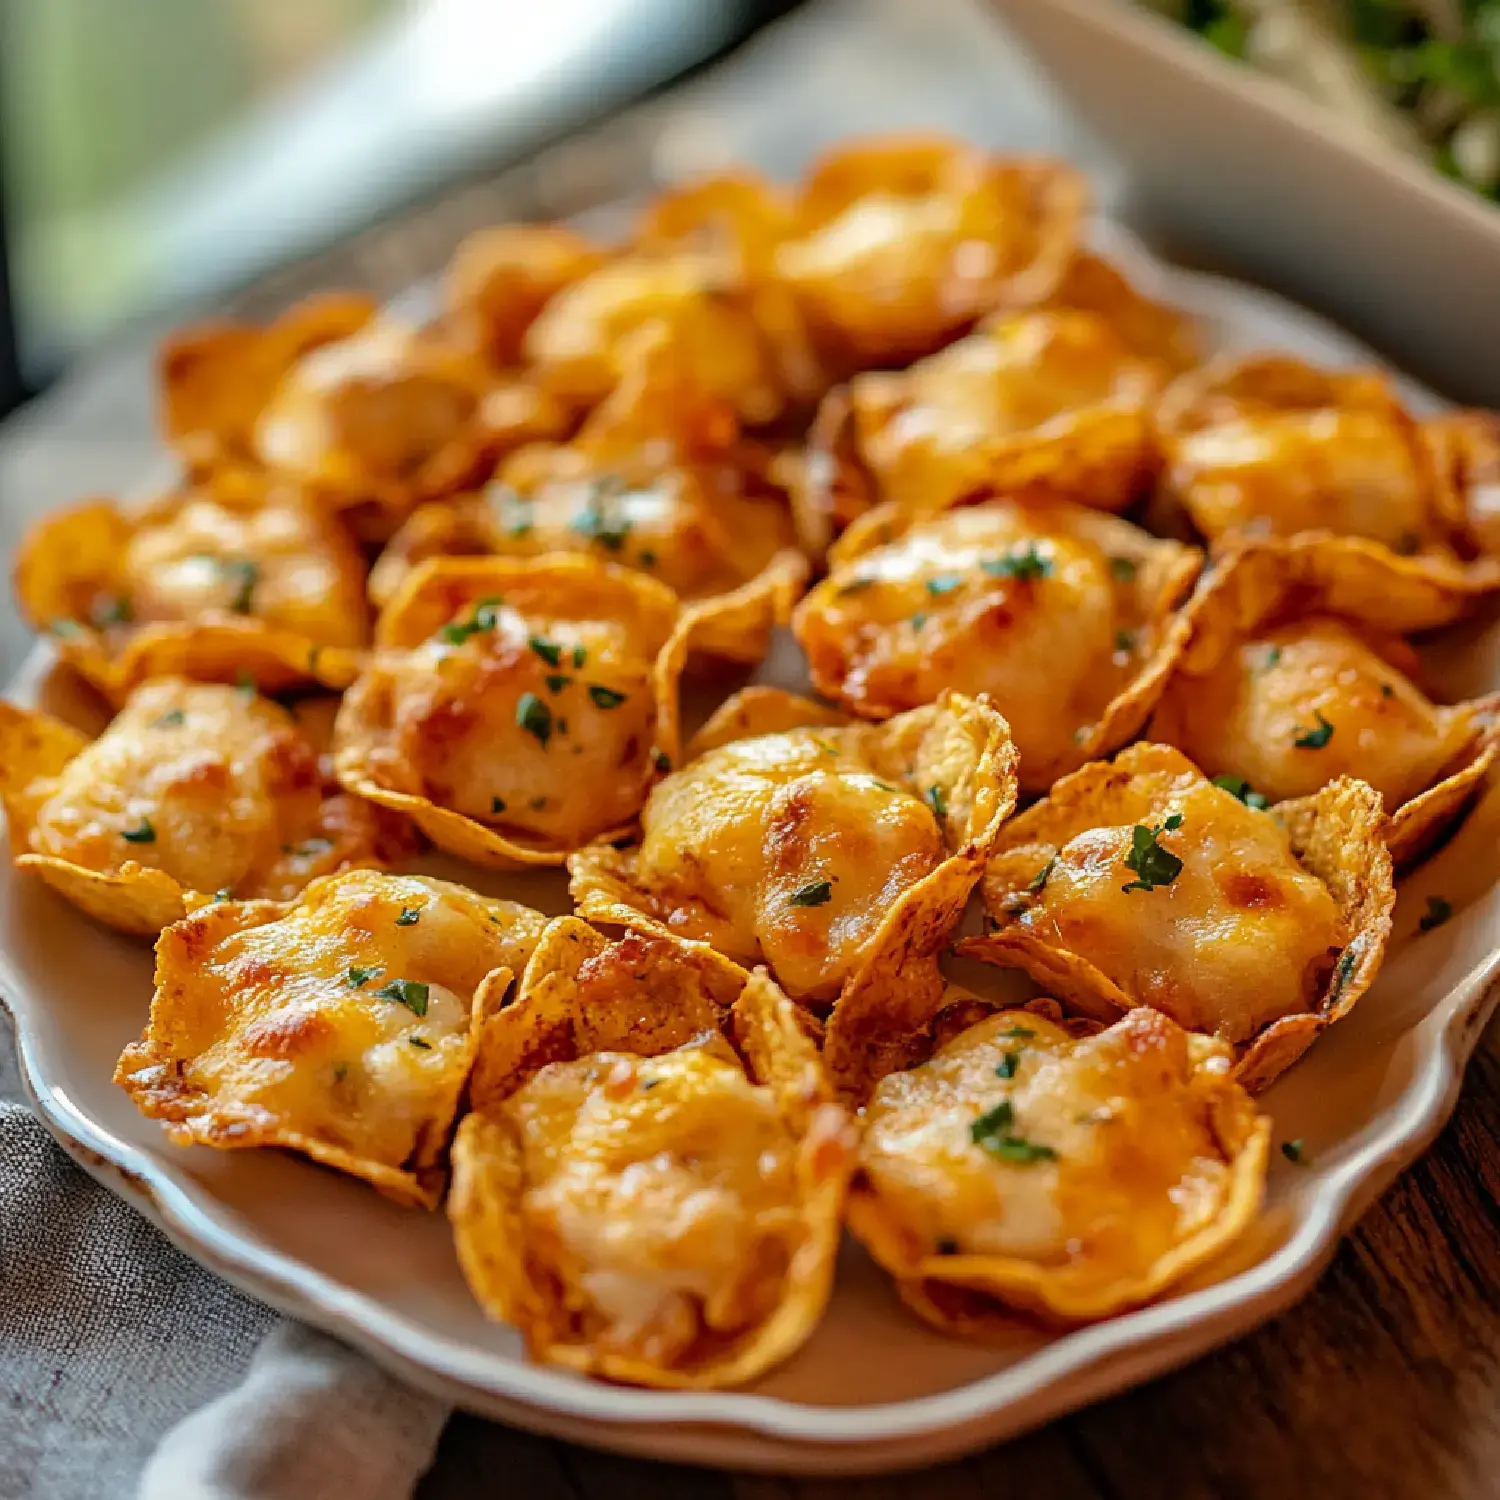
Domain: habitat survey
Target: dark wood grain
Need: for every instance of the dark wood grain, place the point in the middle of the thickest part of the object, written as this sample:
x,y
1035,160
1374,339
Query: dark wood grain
x,y
1383,1382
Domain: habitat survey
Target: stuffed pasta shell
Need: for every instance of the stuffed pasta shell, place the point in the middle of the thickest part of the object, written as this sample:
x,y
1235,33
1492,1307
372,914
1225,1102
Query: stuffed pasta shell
x,y
1063,616
840,855
1294,675
651,1183
341,1026
1141,882
516,710
240,581
194,790
1025,1166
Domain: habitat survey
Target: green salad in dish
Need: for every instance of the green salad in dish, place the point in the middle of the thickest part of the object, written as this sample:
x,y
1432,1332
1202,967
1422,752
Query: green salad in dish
x,y
1422,75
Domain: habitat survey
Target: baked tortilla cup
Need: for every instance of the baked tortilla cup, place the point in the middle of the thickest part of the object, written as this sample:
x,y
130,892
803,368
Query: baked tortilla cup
x,y
1294,673
222,585
629,1080
1025,1167
840,854
1139,882
194,789
342,1025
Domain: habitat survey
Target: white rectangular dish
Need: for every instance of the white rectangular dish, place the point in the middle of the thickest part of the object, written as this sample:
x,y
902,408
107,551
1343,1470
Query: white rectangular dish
x,y
1239,170
874,1390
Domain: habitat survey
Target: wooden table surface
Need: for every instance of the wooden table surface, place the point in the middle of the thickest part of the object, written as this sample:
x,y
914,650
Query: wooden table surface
x,y
1385,1380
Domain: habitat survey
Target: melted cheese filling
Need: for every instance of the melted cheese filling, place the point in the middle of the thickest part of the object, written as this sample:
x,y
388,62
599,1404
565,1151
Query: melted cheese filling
x,y
276,563
544,725
1354,473
217,788
1242,935
740,845
1246,717
944,607
1108,1160
661,1195
288,1017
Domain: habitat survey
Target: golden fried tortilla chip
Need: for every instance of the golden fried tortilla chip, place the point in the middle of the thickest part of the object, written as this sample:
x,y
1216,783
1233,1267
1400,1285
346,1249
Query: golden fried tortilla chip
x,y
194,789
1294,674
515,709
627,1080
226,586
841,856
1023,1167
1065,617
1140,882
342,1025
1269,446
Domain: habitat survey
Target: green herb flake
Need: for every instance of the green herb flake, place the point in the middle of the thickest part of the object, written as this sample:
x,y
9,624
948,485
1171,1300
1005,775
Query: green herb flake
x,y
557,681
947,1245
816,894
497,805
1316,738
1273,658
359,976
605,697
549,651
856,586
407,992
937,800
62,627
1042,876
1125,641
1124,568
145,834
244,574
596,522
1152,864
308,848
993,1131
534,717
919,619
579,656
485,617
662,761
1439,911
169,720
416,1041
408,916
944,583
647,559
244,684
340,1072
1006,1067
1386,690
1017,1034
1023,563
1295,1152
111,609
224,893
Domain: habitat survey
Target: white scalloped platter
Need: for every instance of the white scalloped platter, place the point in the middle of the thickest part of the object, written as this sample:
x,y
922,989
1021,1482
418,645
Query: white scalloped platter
x,y
873,1390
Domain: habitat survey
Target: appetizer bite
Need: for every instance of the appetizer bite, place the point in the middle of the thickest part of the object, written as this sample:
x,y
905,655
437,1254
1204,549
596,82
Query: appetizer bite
x,y
1295,673
1064,616
369,414
516,710
220,585
1029,1166
902,243
1270,446
194,792
341,1025
841,855
651,1183
1142,882
1466,447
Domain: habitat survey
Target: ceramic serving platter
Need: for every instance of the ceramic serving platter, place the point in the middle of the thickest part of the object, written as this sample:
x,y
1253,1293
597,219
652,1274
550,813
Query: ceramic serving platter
x,y
873,1390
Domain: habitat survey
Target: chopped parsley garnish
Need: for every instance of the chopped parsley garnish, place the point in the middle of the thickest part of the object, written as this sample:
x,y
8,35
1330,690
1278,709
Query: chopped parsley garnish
x,y
1344,969
937,800
359,976
662,761
408,917
497,804
1040,879
1152,864
918,620
534,717
244,574
647,559
944,583
1273,656
111,609
416,1041
1017,1034
1006,1067
1125,640
1295,1152
245,683
595,522
1439,911
169,720
812,895
313,653
515,513
407,992
308,848
1316,738
1237,786
485,617
993,1131
557,681
579,656
605,697
224,893
145,834
340,1072
65,627
549,651
947,1245
1124,568
1386,690
1024,563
